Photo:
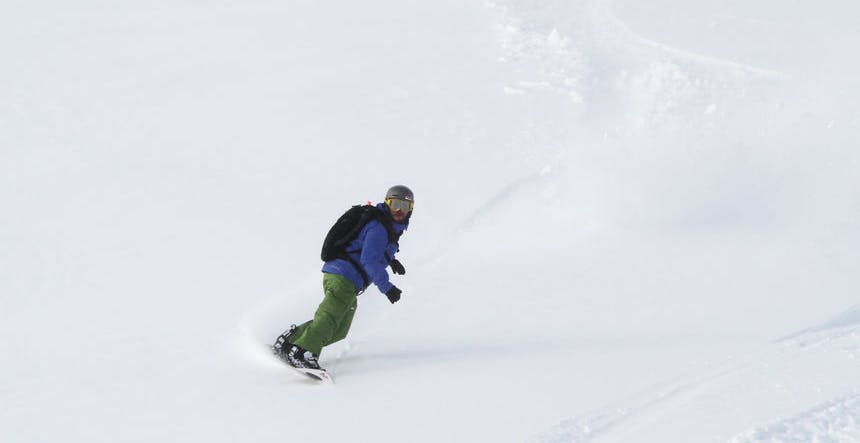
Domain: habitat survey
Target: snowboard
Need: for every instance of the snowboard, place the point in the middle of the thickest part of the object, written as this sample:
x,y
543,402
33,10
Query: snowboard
x,y
319,375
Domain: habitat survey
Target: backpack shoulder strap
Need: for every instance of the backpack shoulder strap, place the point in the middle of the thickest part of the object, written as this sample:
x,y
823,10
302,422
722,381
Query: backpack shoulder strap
x,y
387,223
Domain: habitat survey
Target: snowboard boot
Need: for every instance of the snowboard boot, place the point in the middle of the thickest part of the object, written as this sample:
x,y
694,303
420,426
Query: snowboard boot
x,y
300,358
282,343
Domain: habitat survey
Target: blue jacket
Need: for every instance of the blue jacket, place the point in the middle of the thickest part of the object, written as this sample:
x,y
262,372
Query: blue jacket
x,y
372,251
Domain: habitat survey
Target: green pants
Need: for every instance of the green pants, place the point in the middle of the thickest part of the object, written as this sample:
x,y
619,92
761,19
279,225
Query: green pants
x,y
333,317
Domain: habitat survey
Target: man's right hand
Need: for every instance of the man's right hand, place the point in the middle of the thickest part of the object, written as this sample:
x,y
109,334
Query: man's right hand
x,y
397,267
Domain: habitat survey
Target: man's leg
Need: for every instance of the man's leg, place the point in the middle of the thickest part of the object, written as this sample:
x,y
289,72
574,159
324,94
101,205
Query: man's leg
x,y
337,307
345,323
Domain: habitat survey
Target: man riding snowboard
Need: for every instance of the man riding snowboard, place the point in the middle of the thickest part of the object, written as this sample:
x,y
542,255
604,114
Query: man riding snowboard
x,y
356,252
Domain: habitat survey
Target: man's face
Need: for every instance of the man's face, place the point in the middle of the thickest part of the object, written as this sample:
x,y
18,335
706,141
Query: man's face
x,y
400,209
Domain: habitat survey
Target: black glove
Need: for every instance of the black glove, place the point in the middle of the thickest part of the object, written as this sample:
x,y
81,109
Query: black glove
x,y
393,294
397,267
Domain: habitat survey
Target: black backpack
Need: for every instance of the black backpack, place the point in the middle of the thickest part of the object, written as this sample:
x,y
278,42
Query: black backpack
x,y
347,228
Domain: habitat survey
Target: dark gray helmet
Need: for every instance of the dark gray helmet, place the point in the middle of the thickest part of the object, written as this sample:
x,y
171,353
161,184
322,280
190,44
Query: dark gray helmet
x,y
401,192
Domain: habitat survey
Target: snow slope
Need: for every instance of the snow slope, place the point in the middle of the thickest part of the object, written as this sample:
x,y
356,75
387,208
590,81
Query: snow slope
x,y
635,221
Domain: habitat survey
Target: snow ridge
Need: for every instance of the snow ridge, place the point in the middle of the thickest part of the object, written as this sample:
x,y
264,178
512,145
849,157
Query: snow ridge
x,y
832,421
846,323
603,15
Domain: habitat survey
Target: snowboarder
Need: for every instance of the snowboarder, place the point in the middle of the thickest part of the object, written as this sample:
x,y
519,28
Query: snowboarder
x,y
361,254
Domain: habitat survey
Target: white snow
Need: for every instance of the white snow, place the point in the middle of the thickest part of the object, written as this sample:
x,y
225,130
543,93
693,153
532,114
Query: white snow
x,y
635,221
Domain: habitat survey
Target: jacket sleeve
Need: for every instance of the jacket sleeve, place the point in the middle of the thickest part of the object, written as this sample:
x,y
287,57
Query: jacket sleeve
x,y
373,257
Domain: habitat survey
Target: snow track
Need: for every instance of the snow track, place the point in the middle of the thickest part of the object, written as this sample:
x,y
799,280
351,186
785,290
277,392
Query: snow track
x,y
617,420
785,376
837,420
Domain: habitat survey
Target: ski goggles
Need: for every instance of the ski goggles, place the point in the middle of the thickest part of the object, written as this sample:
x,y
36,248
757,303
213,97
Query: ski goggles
x,y
397,204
